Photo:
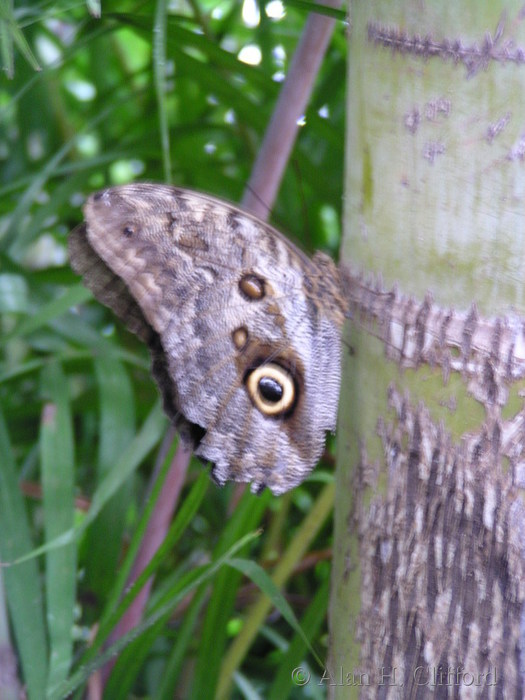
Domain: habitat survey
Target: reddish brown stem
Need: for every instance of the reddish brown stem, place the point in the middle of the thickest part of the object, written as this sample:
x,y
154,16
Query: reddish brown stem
x,y
281,133
153,537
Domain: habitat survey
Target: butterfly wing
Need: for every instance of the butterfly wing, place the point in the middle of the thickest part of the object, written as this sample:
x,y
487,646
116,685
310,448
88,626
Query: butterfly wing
x,y
244,328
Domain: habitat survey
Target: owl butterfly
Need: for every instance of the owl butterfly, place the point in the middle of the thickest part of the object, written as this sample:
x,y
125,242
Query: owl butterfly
x,y
243,328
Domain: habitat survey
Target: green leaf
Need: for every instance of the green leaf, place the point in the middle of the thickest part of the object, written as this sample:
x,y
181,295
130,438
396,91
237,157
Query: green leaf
x,y
12,34
13,293
129,664
116,430
163,610
189,507
57,464
53,309
139,447
213,636
259,576
159,69
22,581
94,7
311,622
318,8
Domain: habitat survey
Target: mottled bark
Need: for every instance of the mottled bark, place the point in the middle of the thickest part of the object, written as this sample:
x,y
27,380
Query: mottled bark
x,y
429,569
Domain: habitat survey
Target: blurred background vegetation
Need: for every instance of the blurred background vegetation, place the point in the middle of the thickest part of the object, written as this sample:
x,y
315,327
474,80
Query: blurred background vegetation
x,y
176,91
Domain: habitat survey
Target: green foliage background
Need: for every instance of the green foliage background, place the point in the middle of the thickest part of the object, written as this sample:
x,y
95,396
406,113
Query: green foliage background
x,y
153,91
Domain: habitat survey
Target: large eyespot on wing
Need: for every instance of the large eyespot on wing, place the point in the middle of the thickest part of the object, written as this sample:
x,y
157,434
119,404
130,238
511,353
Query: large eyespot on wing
x,y
272,389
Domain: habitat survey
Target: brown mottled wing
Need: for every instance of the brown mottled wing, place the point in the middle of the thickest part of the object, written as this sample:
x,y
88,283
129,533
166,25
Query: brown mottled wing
x,y
216,292
112,291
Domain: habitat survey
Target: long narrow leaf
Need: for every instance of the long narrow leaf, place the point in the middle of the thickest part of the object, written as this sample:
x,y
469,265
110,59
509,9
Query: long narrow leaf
x,y
74,295
310,623
116,430
22,581
302,539
261,579
159,70
213,638
11,33
184,516
172,597
140,446
57,464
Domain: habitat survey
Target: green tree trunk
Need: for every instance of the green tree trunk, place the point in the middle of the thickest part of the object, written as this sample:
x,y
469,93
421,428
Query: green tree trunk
x,y
429,575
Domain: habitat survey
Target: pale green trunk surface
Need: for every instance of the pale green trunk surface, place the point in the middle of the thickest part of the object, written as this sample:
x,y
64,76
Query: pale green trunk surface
x,y
429,576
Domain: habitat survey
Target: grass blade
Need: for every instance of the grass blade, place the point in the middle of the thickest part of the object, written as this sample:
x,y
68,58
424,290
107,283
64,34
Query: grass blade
x,y
141,445
172,596
310,527
261,579
22,587
213,638
116,431
310,624
181,522
57,465
159,69
53,309
11,33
